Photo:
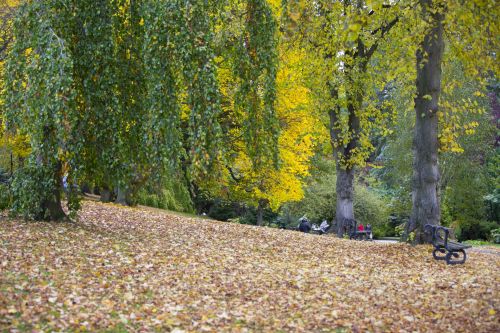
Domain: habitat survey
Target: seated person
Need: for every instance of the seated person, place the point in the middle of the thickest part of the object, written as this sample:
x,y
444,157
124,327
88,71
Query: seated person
x,y
361,227
369,230
304,225
324,226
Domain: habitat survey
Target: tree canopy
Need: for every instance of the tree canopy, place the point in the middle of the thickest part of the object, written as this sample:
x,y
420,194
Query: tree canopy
x,y
245,102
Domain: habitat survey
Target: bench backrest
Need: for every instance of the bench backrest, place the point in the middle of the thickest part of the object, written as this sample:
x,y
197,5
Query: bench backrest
x,y
439,233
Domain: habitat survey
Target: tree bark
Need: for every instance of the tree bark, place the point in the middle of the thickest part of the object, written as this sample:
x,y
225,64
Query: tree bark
x,y
425,198
345,199
121,196
260,211
51,207
344,212
105,194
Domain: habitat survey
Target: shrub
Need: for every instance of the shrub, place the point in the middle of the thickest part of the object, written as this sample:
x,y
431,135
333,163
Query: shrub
x,y
495,236
4,197
31,187
224,210
170,194
474,229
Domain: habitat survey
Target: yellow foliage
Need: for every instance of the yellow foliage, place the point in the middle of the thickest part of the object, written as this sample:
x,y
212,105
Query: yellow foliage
x,y
16,143
300,131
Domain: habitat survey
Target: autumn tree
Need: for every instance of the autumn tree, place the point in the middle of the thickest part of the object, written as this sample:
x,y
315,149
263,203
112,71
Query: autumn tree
x,y
445,23
347,37
129,91
39,101
250,171
13,143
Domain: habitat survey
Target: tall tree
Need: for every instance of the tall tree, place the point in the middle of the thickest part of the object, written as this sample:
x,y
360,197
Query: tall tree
x,y
41,102
426,208
470,29
347,37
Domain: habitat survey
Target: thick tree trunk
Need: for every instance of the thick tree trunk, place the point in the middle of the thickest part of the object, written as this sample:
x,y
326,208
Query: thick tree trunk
x,y
121,196
260,211
105,194
345,199
425,209
51,207
344,212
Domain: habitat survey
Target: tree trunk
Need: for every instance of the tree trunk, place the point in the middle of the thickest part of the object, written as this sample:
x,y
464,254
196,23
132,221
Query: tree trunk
x,y
122,196
425,199
51,207
260,211
344,212
105,194
345,196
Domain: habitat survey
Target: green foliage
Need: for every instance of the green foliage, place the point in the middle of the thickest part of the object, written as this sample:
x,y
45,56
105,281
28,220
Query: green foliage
x,y
492,201
122,93
31,188
474,229
255,66
223,210
480,243
40,100
495,236
171,194
5,200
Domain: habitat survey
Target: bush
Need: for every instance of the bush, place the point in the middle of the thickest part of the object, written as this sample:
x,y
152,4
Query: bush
x,y
224,210
478,242
474,229
4,197
495,236
170,194
30,188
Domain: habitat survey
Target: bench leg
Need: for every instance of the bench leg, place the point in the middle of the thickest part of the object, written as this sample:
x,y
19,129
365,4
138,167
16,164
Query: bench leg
x,y
439,249
455,254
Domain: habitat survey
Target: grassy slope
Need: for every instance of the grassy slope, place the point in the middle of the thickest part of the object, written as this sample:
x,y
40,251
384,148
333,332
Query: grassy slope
x,y
126,269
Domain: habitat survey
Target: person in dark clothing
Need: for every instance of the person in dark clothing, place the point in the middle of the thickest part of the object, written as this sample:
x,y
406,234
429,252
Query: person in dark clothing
x,y
369,231
304,225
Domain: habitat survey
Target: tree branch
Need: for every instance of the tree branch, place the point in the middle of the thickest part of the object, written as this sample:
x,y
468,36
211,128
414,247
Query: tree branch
x,y
384,30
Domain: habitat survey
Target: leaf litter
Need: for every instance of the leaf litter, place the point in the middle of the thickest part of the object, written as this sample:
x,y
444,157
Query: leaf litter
x,y
121,269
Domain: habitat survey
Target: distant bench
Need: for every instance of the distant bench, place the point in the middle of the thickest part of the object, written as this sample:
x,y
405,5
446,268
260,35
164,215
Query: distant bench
x,y
443,245
353,232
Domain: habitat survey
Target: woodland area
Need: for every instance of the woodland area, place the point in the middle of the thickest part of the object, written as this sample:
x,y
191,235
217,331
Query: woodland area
x,y
255,111
149,144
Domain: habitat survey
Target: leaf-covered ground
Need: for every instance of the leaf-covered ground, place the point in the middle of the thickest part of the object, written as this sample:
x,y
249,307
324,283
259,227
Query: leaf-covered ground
x,y
133,269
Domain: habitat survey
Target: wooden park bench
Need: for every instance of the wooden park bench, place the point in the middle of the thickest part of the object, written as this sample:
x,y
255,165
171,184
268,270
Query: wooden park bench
x,y
442,244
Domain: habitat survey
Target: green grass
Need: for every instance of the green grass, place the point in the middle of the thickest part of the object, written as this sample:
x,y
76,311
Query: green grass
x,y
481,243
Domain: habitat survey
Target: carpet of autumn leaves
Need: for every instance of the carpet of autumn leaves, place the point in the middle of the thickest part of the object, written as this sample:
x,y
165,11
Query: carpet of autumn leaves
x,y
139,270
